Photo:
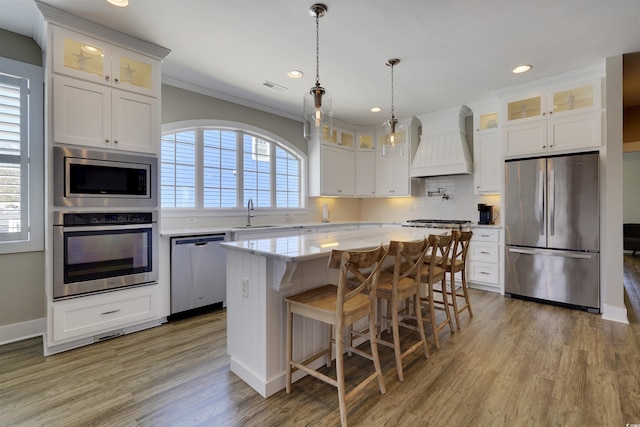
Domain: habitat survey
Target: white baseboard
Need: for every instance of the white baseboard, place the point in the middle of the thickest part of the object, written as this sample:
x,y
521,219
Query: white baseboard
x,y
22,331
615,314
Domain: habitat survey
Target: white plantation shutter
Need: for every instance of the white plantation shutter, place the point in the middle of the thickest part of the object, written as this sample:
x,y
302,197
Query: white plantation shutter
x,y
14,159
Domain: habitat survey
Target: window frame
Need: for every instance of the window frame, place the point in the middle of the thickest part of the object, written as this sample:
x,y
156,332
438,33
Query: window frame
x,y
34,239
198,125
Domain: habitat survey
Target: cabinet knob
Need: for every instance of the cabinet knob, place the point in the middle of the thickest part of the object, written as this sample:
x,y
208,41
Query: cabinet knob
x,y
106,140
550,113
107,78
116,80
544,146
115,141
544,114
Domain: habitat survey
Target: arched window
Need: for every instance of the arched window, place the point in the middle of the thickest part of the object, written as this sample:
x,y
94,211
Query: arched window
x,y
221,165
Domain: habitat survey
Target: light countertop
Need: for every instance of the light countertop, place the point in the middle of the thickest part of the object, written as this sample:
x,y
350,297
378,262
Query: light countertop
x,y
303,247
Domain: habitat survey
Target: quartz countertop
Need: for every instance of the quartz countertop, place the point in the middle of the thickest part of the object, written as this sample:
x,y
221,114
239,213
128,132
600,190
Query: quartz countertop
x,y
199,231
304,247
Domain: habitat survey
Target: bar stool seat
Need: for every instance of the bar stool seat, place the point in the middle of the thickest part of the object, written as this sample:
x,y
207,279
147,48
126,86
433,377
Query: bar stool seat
x,y
338,306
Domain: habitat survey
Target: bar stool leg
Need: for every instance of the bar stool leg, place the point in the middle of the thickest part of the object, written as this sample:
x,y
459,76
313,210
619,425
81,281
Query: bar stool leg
x,y
340,375
453,297
289,346
396,337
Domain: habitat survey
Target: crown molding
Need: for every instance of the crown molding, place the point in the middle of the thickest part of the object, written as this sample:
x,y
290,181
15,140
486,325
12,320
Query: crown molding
x,y
60,17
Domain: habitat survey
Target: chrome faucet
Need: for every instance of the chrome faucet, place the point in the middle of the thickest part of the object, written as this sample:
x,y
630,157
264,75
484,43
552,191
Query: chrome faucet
x,y
249,209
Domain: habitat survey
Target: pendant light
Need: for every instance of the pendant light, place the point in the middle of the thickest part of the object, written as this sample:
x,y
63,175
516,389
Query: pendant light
x,y
318,110
393,140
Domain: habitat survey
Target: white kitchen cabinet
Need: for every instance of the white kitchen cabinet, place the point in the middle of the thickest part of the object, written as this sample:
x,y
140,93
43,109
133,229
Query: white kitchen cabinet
x,y
87,58
94,115
365,173
559,119
483,259
392,169
331,170
85,316
487,148
340,137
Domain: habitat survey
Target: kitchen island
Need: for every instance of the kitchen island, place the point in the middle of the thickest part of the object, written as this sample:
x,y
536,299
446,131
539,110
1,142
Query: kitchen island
x,y
261,274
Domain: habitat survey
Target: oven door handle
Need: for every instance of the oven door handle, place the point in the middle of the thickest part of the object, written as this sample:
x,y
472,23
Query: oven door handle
x,y
108,227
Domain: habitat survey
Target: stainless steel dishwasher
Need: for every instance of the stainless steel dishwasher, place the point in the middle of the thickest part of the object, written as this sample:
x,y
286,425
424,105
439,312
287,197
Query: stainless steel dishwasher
x,y
198,272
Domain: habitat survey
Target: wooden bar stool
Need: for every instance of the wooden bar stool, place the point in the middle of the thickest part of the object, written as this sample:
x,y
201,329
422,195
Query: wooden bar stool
x,y
401,284
339,306
431,275
457,264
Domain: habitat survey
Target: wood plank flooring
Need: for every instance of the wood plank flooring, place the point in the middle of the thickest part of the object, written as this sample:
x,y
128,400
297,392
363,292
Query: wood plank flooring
x,y
515,363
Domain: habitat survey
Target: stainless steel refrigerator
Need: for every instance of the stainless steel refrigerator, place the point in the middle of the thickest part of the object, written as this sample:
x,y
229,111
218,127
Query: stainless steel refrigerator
x,y
552,223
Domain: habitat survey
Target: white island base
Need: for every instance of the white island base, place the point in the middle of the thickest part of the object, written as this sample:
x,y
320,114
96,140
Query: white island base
x,y
260,275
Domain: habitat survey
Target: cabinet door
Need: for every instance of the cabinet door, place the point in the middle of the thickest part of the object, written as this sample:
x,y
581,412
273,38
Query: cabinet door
x,y
81,112
579,97
401,179
135,72
366,173
527,138
524,108
575,131
487,160
81,56
338,172
135,122
385,175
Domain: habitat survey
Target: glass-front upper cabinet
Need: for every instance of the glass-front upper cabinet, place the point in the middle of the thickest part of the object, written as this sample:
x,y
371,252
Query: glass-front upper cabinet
x,y
365,142
338,137
580,97
80,56
525,108
90,59
487,121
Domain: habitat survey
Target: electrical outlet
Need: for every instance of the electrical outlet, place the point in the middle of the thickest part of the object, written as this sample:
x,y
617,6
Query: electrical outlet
x,y
245,288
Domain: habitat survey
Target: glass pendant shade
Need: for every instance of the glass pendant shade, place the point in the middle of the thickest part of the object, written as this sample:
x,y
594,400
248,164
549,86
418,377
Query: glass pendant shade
x,y
318,112
394,138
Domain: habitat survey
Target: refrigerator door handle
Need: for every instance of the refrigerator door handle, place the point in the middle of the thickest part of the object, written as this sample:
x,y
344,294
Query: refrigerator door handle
x,y
552,202
564,254
541,200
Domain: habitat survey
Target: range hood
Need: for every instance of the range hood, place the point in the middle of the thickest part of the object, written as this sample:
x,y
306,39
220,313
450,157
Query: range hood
x,y
443,148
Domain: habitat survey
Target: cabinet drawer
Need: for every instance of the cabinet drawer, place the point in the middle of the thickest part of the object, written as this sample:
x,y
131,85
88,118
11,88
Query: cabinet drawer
x,y
485,252
483,272
485,235
99,313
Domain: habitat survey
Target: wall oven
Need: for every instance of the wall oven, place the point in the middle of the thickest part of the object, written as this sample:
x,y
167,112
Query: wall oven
x,y
98,252
102,178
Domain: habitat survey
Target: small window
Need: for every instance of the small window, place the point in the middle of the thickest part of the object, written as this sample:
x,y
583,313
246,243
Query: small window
x,y
21,157
222,168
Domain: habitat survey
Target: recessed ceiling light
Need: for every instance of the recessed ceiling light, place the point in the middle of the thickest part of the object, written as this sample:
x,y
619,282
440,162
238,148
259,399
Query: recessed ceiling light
x,y
119,3
521,69
376,109
295,74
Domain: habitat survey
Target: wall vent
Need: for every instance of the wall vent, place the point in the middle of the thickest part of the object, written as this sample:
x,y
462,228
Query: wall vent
x,y
108,335
274,86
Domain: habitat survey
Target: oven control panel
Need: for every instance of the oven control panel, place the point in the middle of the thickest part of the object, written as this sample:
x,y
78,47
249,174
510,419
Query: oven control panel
x,y
107,218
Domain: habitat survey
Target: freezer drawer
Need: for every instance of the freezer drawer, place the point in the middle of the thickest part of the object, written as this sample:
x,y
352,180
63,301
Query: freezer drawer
x,y
198,272
560,276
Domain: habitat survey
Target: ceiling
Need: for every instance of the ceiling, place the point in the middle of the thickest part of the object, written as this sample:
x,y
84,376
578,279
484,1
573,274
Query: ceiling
x,y
452,51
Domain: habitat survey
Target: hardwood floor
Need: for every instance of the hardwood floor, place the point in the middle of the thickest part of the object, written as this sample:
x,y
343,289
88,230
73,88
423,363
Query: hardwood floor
x,y
515,363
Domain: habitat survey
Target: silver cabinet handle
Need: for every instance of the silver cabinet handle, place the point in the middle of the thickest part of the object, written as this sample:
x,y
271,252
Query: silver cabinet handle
x,y
110,312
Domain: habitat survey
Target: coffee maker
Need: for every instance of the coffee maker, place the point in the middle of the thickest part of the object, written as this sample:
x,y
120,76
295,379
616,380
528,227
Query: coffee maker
x,y
486,214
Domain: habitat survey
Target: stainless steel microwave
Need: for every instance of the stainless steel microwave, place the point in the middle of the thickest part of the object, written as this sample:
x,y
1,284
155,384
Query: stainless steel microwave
x,y
100,178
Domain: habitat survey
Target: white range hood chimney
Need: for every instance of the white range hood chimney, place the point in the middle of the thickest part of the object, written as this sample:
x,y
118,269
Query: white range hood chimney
x,y
443,148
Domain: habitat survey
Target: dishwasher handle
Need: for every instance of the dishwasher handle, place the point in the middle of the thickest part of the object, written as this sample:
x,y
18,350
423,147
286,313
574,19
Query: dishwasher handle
x,y
198,241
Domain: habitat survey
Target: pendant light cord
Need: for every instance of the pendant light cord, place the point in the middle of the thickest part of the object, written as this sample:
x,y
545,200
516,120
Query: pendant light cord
x,y
393,111
318,49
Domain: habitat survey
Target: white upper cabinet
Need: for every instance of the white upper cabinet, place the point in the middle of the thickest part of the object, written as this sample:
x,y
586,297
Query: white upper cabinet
x,y
331,170
560,118
343,138
393,178
487,147
87,58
